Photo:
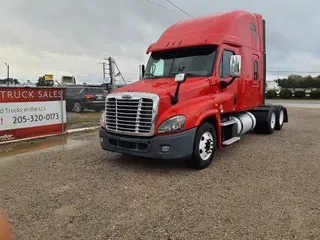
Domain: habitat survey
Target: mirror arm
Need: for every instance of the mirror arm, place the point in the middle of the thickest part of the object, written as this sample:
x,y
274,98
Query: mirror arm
x,y
175,98
231,81
228,83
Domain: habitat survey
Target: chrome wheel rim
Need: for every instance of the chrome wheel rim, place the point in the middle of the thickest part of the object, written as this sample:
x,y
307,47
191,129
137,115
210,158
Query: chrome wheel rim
x,y
206,146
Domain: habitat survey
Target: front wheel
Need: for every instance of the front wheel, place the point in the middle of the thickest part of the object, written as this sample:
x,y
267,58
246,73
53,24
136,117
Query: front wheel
x,y
205,145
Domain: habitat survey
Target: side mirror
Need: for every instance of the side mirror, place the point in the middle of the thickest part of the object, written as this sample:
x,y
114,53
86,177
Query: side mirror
x,y
223,84
235,66
141,71
180,77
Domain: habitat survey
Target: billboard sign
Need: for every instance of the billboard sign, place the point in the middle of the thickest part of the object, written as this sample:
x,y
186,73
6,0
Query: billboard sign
x,y
31,112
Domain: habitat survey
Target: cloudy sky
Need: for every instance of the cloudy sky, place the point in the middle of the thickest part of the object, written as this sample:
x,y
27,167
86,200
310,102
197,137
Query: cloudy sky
x,y
71,37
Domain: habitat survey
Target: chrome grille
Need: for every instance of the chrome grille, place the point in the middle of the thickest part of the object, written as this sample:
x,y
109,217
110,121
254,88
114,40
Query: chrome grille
x,y
133,115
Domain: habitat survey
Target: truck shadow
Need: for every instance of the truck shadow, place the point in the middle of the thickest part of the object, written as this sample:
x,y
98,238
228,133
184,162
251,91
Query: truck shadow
x,y
146,164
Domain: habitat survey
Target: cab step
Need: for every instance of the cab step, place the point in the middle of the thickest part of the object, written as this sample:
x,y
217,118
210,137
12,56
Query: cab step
x,y
230,141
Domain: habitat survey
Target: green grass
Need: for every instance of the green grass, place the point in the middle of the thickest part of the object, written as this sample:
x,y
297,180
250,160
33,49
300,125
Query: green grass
x,y
85,119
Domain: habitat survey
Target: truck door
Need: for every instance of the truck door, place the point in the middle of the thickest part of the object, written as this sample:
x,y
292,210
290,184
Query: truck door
x,y
228,97
256,81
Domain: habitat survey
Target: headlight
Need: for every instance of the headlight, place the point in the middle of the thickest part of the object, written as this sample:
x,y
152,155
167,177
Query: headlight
x,y
103,119
173,124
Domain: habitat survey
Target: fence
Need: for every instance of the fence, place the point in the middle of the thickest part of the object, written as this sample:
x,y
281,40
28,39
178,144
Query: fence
x,y
31,112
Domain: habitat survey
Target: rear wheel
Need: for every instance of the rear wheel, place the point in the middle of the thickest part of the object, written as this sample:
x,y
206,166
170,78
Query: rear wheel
x,y
279,117
266,121
273,120
205,145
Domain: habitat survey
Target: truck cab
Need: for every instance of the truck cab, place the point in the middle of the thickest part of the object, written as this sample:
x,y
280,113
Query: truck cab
x,y
202,88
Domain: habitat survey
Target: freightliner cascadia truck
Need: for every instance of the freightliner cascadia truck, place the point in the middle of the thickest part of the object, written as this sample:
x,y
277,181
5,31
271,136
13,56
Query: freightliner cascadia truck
x,y
202,88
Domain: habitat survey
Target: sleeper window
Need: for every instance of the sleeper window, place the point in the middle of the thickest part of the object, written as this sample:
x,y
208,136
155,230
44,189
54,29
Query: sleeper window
x,y
254,30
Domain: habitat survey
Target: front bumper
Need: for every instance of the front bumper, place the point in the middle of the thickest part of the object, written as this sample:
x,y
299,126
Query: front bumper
x,y
180,145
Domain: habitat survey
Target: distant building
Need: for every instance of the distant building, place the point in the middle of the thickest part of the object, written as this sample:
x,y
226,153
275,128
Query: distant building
x,y
271,85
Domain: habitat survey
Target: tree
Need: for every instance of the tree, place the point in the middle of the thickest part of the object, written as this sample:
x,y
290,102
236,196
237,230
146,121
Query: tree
x,y
10,81
297,81
308,82
15,81
281,82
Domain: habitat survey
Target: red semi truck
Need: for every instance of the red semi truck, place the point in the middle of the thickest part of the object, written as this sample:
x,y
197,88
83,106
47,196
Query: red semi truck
x,y
202,88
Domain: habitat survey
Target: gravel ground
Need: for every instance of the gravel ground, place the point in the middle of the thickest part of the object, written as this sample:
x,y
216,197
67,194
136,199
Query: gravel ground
x,y
263,187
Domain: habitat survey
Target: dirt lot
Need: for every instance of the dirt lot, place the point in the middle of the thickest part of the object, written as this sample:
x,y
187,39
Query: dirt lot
x,y
263,187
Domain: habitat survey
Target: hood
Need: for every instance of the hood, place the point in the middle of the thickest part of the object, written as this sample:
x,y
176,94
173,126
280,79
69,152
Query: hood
x,y
160,86
166,87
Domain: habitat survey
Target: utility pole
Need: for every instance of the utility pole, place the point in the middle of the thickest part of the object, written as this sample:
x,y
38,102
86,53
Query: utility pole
x,y
8,71
111,64
103,71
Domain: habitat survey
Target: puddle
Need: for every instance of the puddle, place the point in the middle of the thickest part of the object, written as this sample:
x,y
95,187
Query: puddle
x,y
60,144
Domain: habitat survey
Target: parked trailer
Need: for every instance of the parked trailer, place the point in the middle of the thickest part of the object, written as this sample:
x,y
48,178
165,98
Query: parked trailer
x,y
202,88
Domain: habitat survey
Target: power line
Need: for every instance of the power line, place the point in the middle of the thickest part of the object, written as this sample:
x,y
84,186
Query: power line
x,y
179,8
160,6
292,71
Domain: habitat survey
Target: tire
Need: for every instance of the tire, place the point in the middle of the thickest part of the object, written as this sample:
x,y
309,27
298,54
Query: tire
x,y
272,119
279,117
77,107
266,121
204,148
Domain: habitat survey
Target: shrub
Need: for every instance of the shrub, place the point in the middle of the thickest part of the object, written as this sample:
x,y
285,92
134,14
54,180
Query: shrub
x,y
315,94
271,94
286,93
299,94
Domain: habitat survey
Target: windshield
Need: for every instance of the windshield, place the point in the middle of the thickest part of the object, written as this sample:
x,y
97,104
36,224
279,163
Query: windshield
x,y
94,91
196,61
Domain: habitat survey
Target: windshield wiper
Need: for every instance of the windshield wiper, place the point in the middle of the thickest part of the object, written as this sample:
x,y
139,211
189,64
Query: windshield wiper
x,y
186,73
150,75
